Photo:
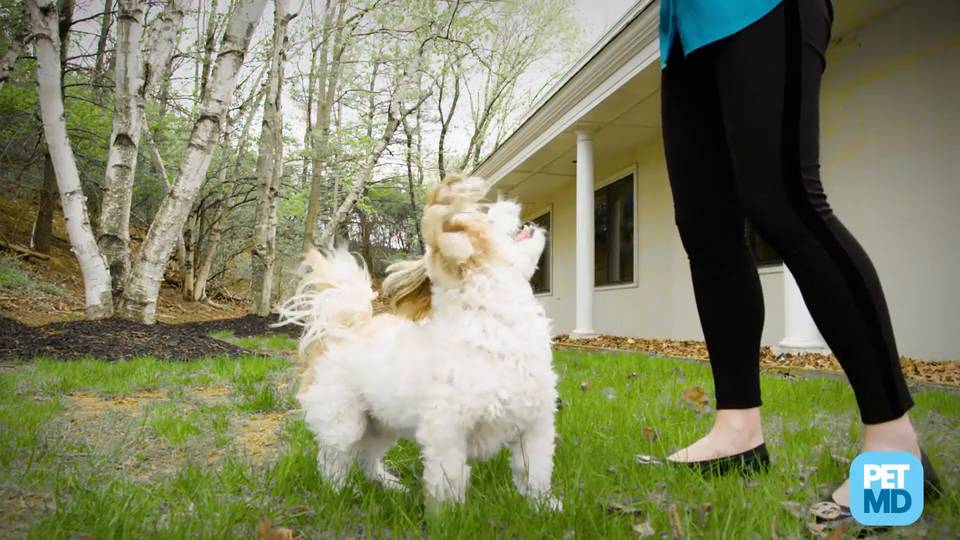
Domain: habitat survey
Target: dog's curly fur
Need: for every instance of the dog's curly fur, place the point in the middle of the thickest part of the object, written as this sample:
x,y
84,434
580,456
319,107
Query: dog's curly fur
x,y
464,366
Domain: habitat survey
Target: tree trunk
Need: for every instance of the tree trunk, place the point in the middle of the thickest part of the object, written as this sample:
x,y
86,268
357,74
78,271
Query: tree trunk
x,y
269,172
43,226
98,69
135,80
143,283
329,80
212,243
408,132
96,278
117,189
189,254
20,39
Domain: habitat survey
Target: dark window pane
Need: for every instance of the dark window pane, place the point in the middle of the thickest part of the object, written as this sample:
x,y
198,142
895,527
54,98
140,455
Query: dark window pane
x,y
541,277
763,252
613,233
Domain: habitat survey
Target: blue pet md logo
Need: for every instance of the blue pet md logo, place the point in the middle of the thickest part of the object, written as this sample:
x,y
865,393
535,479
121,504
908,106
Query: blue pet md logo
x,y
886,488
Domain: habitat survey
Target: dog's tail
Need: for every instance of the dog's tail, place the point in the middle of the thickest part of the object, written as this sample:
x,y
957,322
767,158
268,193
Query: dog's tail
x,y
333,296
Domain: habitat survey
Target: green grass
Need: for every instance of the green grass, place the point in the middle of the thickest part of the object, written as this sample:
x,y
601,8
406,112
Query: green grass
x,y
176,465
270,342
14,276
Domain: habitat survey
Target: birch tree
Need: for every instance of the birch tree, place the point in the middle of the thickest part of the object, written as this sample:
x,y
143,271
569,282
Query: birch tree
x,y
42,235
330,66
269,172
135,81
117,190
142,285
17,44
96,279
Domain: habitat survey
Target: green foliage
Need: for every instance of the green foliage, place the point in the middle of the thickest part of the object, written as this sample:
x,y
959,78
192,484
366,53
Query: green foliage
x,y
14,276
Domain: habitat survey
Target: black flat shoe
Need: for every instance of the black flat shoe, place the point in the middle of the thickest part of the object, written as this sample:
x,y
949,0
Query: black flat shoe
x,y
832,513
752,461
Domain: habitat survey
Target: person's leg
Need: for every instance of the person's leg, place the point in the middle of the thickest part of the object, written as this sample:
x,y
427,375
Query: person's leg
x,y
769,80
711,226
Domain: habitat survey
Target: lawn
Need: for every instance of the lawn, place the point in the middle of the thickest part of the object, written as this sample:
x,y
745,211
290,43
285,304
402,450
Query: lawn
x,y
150,449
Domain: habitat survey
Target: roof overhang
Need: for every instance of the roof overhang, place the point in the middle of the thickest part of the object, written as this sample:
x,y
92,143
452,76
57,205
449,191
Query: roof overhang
x,y
612,92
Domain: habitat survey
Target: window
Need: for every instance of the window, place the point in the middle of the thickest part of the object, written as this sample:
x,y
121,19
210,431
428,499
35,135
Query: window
x,y
541,277
613,230
763,253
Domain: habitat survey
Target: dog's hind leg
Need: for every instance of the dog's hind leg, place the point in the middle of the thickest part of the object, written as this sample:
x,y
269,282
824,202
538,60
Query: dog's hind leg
x,y
531,459
336,416
445,470
370,451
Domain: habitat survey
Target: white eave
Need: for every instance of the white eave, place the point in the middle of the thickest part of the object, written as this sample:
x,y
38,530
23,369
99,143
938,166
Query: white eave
x,y
624,51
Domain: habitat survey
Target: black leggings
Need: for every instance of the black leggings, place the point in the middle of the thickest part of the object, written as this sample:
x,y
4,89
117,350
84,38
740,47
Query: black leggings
x,y
741,130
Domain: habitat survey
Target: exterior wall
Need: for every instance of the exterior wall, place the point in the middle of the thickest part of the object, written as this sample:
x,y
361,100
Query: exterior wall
x,y
660,303
890,166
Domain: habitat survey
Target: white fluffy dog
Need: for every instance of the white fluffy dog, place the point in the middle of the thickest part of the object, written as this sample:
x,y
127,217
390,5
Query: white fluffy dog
x,y
462,366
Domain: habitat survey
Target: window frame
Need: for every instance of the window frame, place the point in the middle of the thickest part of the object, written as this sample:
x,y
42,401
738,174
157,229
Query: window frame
x,y
547,210
597,186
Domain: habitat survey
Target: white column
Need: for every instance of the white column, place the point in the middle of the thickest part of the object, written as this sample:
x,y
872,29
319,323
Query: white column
x,y
585,251
801,333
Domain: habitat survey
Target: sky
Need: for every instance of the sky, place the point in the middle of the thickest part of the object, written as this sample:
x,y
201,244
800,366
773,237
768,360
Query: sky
x,y
597,16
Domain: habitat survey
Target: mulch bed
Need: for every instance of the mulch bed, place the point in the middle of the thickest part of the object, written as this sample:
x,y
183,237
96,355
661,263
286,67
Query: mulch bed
x,y
110,339
945,373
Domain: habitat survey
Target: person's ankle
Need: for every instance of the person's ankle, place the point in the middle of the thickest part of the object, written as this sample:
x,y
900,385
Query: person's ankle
x,y
740,427
894,435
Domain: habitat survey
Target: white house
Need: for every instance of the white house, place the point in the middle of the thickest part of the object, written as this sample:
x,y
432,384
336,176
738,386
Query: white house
x,y
588,163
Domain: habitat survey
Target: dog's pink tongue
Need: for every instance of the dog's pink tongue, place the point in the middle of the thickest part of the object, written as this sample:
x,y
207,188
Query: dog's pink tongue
x,y
524,233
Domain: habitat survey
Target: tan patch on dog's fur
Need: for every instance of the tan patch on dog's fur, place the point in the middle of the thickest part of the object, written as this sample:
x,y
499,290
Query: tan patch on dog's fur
x,y
452,209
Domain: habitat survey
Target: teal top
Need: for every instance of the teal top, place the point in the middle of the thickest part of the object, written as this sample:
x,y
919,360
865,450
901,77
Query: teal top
x,y
701,22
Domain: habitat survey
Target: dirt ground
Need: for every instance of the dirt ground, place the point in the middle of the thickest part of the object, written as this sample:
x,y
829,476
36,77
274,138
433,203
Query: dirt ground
x,y
61,269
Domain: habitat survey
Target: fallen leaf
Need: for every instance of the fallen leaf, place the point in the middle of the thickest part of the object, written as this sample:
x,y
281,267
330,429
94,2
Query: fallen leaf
x,y
837,533
584,386
649,433
609,393
840,458
797,510
265,531
644,459
818,530
702,514
773,527
675,522
611,470
806,471
644,530
696,397
827,510
623,506
561,404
